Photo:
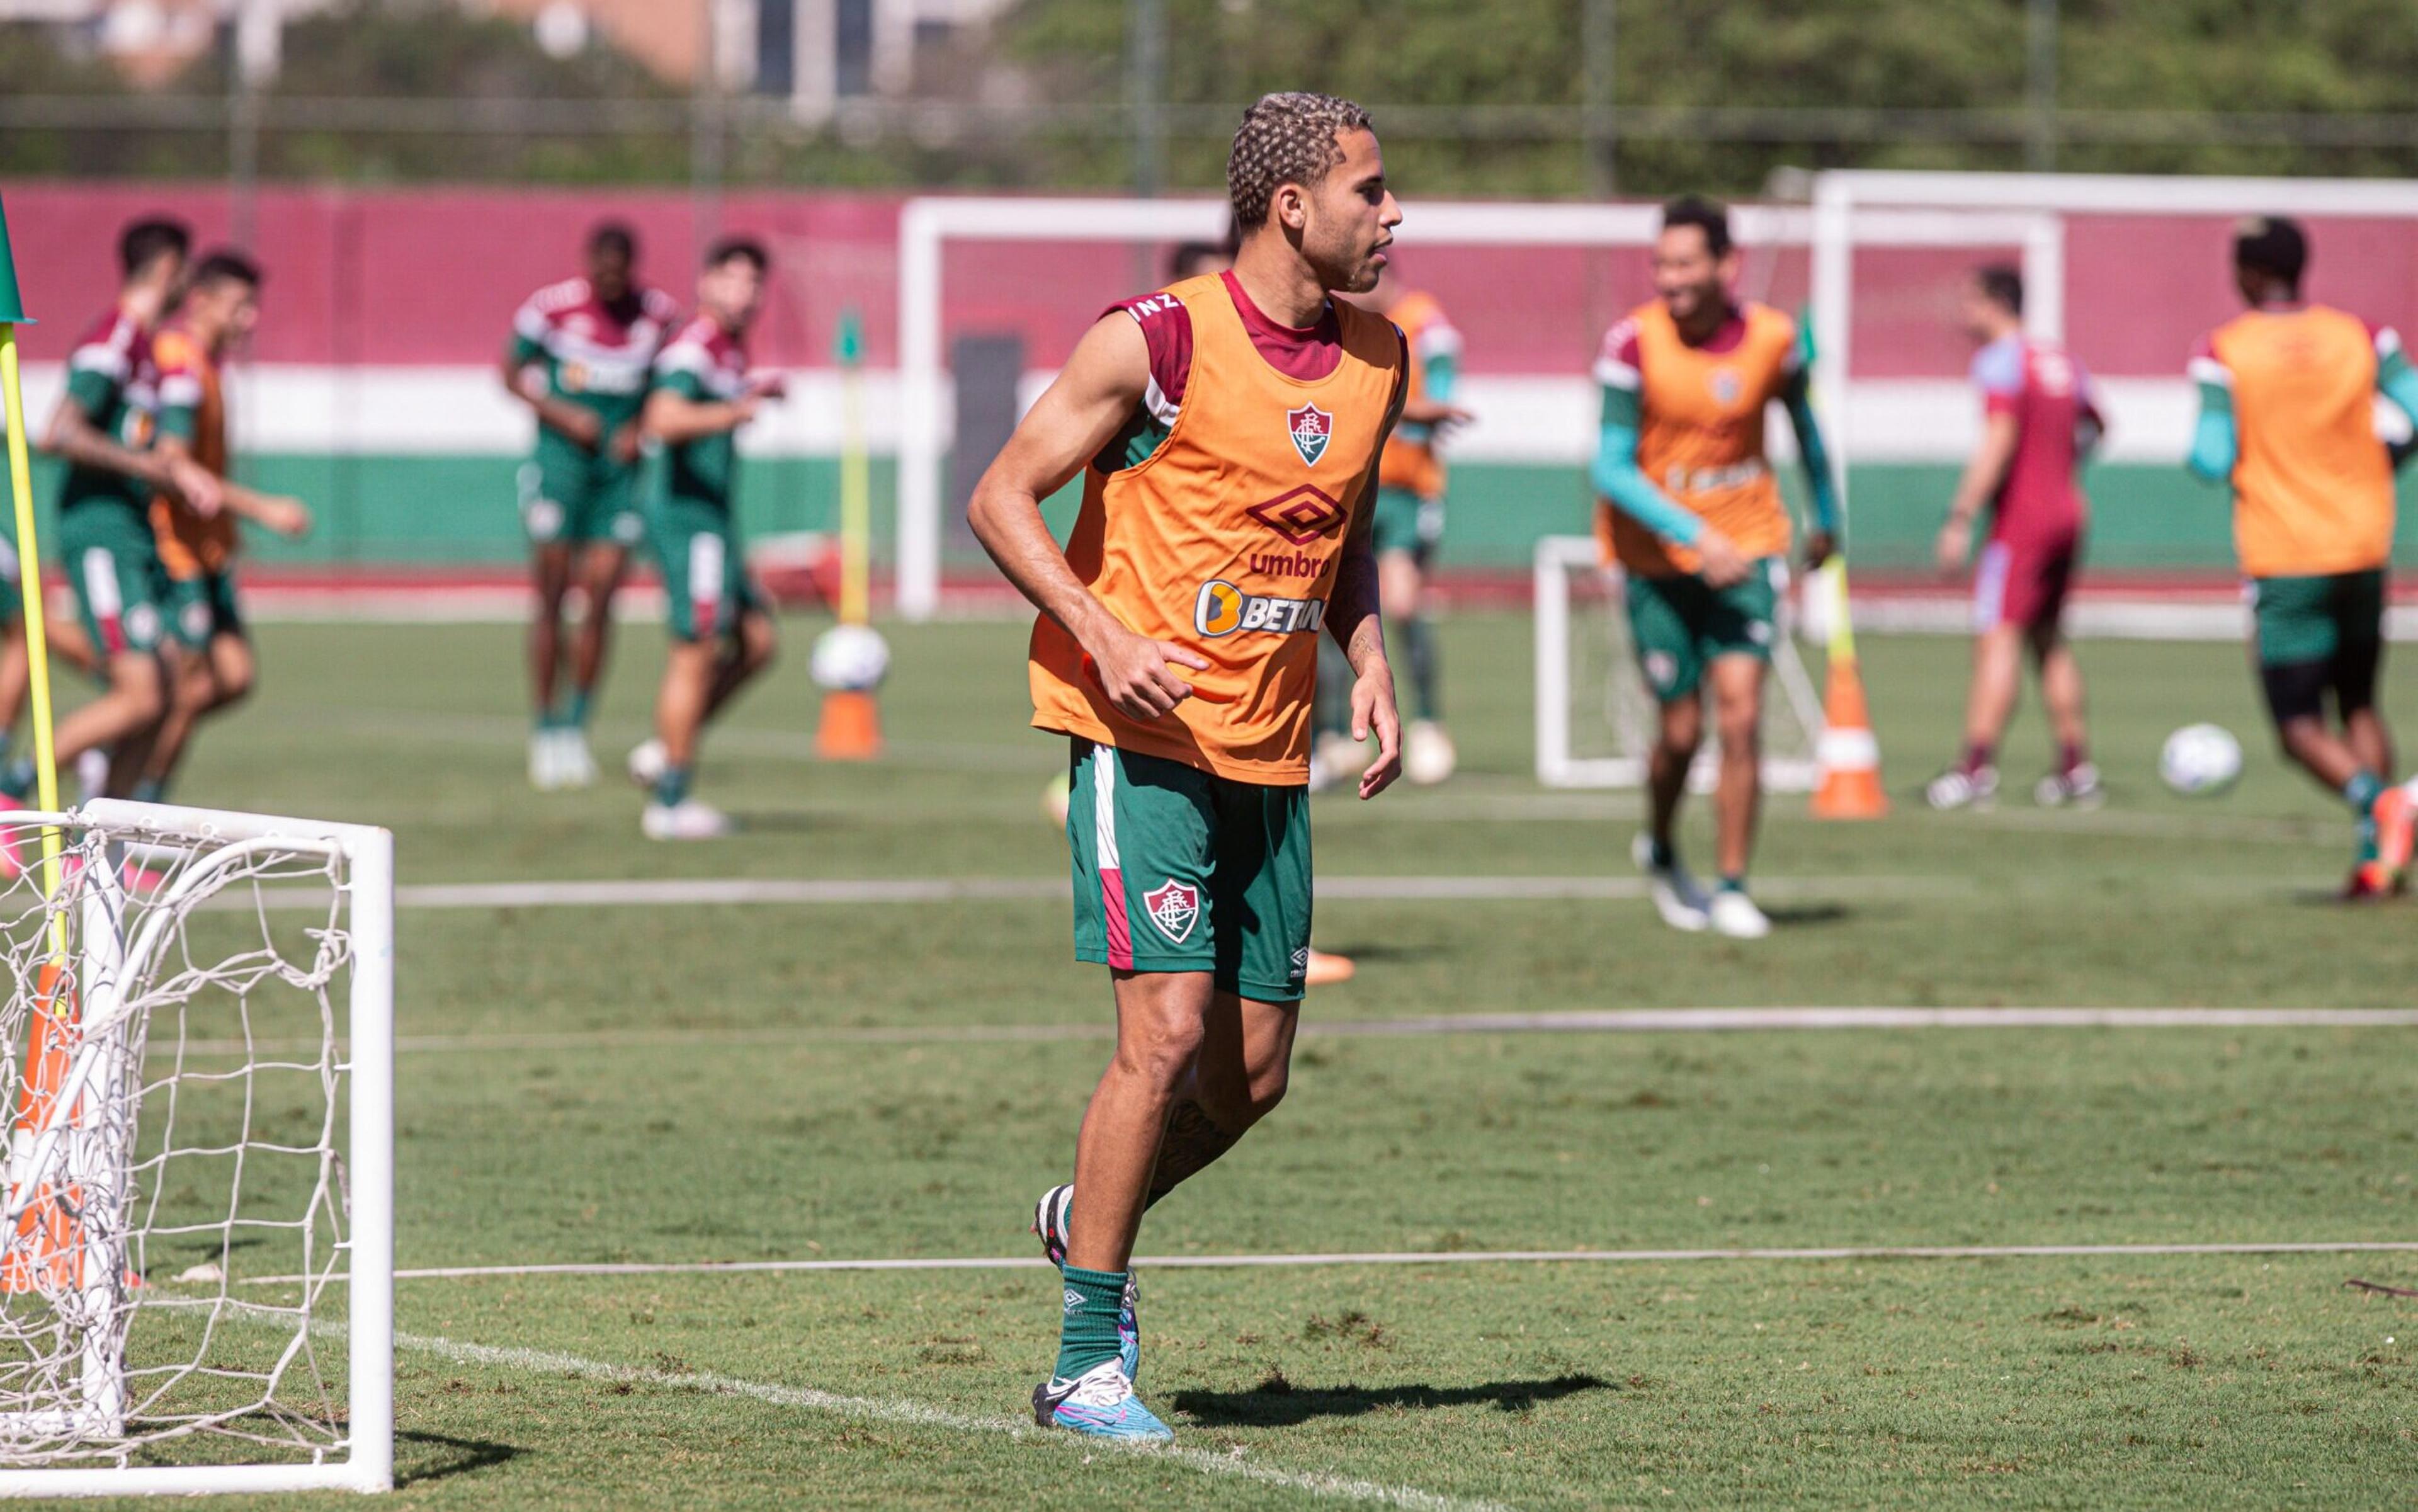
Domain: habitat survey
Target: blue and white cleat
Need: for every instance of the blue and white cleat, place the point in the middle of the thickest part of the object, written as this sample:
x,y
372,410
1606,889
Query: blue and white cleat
x,y
1050,1220
1100,1402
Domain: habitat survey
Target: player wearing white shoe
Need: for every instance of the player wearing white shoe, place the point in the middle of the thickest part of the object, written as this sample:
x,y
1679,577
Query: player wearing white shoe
x,y
1227,429
1690,509
722,633
580,354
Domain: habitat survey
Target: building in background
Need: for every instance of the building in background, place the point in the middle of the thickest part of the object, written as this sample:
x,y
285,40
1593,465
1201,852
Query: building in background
x,y
816,53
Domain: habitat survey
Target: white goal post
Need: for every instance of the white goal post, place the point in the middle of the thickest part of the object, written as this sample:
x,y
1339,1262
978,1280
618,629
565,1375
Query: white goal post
x,y
928,227
1594,712
197,1243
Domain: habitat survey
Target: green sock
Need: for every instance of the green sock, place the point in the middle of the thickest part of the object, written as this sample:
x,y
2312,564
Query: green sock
x,y
2361,793
1087,1331
18,780
150,791
1419,651
671,789
572,715
1734,882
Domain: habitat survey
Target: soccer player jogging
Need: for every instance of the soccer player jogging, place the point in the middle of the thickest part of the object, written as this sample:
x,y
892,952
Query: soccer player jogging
x,y
722,634
1409,520
2040,418
1689,507
2287,415
580,355
1227,429
103,429
209,651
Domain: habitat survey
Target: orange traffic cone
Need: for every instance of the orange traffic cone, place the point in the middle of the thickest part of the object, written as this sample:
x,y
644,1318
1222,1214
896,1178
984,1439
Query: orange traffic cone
x,y
1849,757
850,728
44,1256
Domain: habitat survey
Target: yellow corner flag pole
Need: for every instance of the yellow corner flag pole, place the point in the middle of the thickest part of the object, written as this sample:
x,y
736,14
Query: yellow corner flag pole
x,y
38,649
855,478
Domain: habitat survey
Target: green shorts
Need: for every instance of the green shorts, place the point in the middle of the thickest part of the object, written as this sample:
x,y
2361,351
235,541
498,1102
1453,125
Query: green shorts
x,y
1681,623
12,584
1179,870
201,609
113,561
1405,522
704,573
570,496
2317,619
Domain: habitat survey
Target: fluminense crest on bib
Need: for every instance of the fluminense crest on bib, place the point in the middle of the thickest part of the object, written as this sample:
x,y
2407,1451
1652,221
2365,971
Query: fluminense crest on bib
x,y
1727,385
1311,428
1174,909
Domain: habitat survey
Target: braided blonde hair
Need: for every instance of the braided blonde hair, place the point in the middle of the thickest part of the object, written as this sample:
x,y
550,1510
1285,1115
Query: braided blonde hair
x,y
1286,139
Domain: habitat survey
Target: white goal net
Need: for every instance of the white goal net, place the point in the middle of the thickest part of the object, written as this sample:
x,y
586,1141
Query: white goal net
x,y
1595,716
196,1245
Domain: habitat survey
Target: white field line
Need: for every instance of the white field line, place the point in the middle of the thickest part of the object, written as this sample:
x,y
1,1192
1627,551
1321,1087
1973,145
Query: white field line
x,y
1446,1257
1572,1021
918,1414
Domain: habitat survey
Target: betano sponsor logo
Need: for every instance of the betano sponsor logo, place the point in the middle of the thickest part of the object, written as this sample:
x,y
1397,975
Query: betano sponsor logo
x,y
1222,609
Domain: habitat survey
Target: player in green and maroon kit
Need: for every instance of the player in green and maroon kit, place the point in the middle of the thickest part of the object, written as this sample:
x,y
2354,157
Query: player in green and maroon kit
x,y
722,631
580,353
103,429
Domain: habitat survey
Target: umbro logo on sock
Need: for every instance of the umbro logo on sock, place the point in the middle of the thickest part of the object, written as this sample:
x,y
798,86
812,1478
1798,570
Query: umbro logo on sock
x,y
1074,1299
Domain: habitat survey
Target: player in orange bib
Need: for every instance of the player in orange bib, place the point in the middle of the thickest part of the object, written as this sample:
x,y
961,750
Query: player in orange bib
x,y
207,650
1690,509
1227,429
2288,395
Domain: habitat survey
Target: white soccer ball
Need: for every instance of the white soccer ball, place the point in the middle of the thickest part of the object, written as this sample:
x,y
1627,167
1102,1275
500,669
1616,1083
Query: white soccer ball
x,y
850,659
2200,761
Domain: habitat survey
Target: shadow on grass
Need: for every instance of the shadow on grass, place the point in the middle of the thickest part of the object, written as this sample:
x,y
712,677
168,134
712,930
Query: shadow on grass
x,y
429,1457
1370,949
1277,1403
1790,915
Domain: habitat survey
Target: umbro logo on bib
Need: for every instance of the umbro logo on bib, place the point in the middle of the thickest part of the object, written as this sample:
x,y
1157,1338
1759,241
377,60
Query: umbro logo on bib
x,y
1312,429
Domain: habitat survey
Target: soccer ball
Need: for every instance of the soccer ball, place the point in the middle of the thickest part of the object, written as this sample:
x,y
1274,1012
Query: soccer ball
x,y
2200,761
850,659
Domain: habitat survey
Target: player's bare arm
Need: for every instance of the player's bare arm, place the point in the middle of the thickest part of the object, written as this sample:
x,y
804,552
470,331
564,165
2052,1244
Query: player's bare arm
x,y
1066,427
675,419
72,437
1984,472
1352,618
556,413
280,514
204,491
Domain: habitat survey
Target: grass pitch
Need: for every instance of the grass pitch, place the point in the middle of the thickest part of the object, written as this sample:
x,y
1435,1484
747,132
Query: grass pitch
x,y
677,1083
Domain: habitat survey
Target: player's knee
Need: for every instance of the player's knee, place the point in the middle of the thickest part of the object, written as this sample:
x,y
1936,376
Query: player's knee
x,y
757,642
1741,730
1160,1057
1268,1085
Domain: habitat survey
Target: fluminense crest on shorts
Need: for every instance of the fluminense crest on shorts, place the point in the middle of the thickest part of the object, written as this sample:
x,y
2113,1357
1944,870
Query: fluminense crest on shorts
x,y
1311,427
1173,909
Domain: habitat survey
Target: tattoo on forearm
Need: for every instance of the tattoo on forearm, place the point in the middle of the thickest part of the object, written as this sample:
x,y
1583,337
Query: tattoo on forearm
x,y
1192,1144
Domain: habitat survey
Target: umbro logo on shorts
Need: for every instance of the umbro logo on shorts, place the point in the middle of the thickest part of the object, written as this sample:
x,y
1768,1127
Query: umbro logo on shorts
x,y
1174,909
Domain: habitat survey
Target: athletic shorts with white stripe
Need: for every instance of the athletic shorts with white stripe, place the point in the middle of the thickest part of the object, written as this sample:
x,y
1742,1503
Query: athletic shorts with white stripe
x,y
113,559
704,572
1179,870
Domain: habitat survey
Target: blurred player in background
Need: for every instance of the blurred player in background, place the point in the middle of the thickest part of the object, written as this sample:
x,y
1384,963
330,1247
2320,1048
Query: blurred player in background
x,y
2041,416
209,652
1226,431
103,429
1689,507
580,354
2287,417
1410,512
722,633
